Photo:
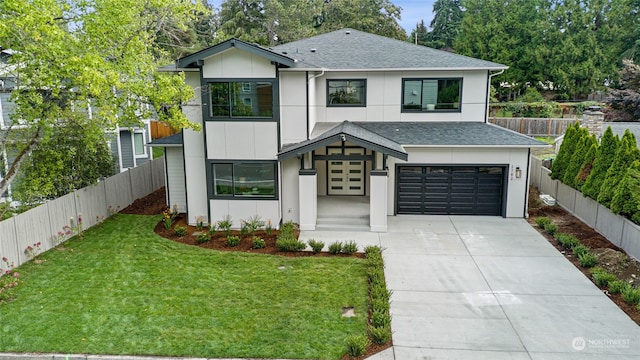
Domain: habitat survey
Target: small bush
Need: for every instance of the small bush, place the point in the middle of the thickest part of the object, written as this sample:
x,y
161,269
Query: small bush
x,y
618,286
587,260
380,305
543,221
631,295
202,238
356,345
225,225
232,241
380,318
335,247
349,247
258,243
375,275
380,335
602,277
567,241
551,229
287,229
253,224
289,244
316,246
180,231
380,291
580,250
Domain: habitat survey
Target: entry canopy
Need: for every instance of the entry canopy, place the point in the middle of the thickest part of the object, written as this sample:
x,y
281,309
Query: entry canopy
x,y
345,131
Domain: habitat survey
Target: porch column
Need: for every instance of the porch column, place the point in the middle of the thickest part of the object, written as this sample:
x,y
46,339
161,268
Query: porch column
x,y
308,197
378,201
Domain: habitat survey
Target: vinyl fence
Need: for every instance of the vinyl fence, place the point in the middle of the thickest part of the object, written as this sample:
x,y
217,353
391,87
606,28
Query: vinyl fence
x,y
534,126
95,203
618,229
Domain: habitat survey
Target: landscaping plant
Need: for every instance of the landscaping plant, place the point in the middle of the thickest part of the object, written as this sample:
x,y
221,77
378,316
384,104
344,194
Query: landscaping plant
x,y
180,231
627,153
316,246
203,238
349,247
542,221
356,345
551,229
587,260
568,241
232,241
618,286
602,277
605,154
225,225
580,250
258,243
335,247
631,295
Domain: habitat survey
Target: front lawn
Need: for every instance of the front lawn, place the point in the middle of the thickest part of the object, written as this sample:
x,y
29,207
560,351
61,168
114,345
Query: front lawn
x,y
124,290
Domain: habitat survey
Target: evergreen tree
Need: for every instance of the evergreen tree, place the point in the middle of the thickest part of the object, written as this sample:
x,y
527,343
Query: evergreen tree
x,y
419,34
445,26
627,153
569,143
585,141
587,166
626,198
604,157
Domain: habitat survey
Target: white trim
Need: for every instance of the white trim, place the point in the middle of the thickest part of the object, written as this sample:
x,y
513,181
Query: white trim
x,y
475,146
394,69
119,145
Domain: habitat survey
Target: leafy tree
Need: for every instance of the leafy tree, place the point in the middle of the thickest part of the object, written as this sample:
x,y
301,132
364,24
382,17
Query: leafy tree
x,y
603,160
419,35
626,198
624,101
585,142
569,144
627,153
445,26
586,167
73,54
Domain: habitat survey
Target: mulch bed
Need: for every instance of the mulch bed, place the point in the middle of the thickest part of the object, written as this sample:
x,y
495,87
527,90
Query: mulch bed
x,y
615,261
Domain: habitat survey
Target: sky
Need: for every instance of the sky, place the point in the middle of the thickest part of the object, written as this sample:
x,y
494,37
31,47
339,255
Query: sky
x,y
412,12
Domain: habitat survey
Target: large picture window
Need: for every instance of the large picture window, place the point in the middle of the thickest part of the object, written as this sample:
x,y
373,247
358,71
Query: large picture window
x,y
346,92
241,99
245,179
420,95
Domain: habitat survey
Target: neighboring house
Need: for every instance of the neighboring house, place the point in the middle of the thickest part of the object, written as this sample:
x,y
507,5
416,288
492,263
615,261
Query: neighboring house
x,y
619,128
323,130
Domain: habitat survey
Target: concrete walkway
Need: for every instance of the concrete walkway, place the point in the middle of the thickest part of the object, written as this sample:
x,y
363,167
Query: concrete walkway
x,y
490,288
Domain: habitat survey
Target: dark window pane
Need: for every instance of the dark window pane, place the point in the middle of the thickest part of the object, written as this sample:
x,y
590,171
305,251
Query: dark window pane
x,y
222,179
219,99
431,94
254,179
242,99
346,92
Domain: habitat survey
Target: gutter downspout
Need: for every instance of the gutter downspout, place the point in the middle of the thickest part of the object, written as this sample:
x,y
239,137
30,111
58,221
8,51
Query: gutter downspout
x,y
308,110
486,111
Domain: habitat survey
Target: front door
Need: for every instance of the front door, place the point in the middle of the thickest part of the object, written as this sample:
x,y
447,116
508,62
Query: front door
x,y
346,177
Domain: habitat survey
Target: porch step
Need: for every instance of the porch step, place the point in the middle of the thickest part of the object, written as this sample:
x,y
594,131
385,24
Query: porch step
x,y
343,223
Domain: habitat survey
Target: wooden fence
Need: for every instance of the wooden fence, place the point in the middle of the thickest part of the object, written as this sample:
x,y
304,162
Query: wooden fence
x,y
534,126
95,203
160,130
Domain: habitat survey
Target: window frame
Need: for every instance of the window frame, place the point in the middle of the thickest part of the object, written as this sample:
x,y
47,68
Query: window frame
x,y
143,154
435,110
244,84
233,196
364,86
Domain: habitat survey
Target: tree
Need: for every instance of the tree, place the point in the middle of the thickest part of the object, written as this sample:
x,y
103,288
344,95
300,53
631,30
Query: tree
x,y
604,157
419,35
627,153
445,26
374,16
624,100
626,198
72,54
568,147
584,143
586,167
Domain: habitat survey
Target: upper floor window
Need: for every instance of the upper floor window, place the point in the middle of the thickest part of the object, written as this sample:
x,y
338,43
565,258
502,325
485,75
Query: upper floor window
x,y
420,95
347,92
241,99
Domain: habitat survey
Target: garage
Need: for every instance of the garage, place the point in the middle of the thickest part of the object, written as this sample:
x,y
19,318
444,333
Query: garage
x,y
450,190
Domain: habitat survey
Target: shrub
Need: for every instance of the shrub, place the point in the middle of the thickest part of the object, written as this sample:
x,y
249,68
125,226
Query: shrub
x,y
335,247
542,221
225,225
551,229
380,291
578,157
349,247
316,246
604,157
253,224
567,241
618,286
289,244
180,231
375,275
380,318
626,198
602,277
287,229
202,238
258,243
380,335
631,295
587,260
356,345
580,250
568,147
627,153
380,305
232,241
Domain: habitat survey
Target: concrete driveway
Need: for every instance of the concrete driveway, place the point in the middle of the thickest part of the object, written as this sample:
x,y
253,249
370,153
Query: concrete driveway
x,y
467,287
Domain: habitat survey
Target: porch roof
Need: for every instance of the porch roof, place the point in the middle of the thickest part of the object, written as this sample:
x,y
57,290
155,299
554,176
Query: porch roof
x,y
174,140
346,131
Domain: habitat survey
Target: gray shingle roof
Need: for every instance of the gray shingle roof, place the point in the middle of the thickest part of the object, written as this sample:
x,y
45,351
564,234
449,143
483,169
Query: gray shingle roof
x,y
352,49
169,141
619,128
349,132
427,133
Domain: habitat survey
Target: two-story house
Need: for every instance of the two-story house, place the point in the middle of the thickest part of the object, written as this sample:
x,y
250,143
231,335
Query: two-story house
x,y
347,118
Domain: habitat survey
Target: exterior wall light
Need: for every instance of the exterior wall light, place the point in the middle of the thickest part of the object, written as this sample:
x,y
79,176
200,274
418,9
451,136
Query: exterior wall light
x,y
518,172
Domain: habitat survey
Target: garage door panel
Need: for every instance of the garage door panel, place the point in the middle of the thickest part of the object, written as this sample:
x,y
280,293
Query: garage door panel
x,y
451,190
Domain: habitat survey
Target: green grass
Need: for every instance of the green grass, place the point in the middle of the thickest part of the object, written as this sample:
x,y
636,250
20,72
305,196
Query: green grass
x,y
157,152
124,290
